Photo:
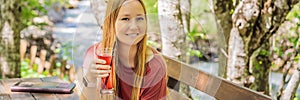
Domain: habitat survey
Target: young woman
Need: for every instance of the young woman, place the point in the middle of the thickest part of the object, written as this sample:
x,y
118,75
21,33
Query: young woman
x,y
138,71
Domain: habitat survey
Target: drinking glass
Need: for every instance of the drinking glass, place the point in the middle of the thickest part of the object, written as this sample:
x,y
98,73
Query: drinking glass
x,y
106,54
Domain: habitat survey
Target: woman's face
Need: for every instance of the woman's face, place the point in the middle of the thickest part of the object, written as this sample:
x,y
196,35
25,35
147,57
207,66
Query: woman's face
x,y
131,23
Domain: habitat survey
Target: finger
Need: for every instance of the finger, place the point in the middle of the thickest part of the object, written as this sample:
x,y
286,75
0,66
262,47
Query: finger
x,y
99,61
93,66
106,67
102,76
101,71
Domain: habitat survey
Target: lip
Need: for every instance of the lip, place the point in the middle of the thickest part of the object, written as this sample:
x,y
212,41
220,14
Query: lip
x,y
132,34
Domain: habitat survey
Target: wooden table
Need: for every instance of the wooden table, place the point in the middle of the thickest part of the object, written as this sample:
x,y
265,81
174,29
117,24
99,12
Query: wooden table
x,y
6,94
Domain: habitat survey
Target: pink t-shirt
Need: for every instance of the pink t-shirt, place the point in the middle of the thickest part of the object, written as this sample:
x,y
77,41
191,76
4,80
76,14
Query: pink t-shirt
x,y
154,81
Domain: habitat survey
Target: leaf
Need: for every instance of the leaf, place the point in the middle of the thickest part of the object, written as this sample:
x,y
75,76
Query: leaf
x,y
195,53
263,52
260,62
35,67
45,72
57,50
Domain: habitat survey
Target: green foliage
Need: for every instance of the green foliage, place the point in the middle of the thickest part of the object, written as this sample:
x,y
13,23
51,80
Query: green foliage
x,y
151,6
51,2
195,53
296,97
31,9
264,52
27,72
195,34
153,44
65,51
35,8
297,58
295,12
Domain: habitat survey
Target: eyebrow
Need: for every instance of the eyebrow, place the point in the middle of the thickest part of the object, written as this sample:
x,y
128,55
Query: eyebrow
x,y
129,14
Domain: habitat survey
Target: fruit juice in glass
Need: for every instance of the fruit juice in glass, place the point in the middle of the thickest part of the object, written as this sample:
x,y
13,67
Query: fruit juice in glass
x,y
106,54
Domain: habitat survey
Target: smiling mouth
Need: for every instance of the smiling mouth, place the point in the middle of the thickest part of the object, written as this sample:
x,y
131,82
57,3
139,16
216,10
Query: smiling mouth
x,y
132,34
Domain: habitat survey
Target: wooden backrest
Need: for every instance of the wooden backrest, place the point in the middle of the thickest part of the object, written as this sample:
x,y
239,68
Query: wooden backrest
x,y
212,85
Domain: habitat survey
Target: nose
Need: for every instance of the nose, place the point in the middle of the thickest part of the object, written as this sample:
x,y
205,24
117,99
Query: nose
x,y
133,27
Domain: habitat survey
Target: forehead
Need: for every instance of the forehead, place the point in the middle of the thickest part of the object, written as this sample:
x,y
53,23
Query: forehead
x,y
132,7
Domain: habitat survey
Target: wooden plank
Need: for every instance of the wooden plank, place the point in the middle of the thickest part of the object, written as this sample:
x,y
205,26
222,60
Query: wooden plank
x,y
4,97
7,83
45,96
72,96
174,95
21,96
210,84
235,92
2,88
51,79
41,96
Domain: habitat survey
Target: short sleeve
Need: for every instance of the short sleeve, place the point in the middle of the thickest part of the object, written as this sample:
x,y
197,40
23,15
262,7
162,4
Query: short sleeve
x,y
88,57
155,80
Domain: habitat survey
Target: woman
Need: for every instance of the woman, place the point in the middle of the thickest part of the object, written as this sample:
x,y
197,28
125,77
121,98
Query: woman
x,y
139,71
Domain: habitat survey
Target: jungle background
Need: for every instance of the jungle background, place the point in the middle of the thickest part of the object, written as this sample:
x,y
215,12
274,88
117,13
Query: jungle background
x,y
253,43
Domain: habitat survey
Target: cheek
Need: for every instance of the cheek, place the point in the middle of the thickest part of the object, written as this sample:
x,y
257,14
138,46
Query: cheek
x,y
120,27
143,27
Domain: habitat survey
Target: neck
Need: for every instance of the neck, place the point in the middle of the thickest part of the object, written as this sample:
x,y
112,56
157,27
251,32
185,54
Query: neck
x,y
127,54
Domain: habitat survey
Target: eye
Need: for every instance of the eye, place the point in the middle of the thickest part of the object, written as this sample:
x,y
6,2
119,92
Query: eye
x,y
125,19
139,18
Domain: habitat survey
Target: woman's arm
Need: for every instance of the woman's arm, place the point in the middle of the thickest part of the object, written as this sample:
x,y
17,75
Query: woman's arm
x,y
93,68
88,93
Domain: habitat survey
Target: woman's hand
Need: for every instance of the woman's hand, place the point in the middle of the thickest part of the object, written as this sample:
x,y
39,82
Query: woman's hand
x,y
97,69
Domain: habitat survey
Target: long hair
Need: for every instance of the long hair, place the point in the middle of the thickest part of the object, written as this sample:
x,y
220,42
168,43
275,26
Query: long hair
x,y
109,36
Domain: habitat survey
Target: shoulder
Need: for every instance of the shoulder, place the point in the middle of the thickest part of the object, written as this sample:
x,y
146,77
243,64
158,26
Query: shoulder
x,y
88,57
151,53
91,50
156,70
92,47
157,65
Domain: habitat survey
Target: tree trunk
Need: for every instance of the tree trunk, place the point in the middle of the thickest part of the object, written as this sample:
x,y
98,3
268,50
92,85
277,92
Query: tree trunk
x,y
10,13
222,10
172,32
174,21
253,23
293,84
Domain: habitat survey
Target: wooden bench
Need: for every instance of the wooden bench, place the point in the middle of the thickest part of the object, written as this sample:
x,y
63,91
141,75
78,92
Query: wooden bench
x,y
214,86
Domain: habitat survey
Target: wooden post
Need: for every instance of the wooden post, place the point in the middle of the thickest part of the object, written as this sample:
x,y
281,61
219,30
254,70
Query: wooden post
x,y
62,68
52,63
43,54
23,47
33,50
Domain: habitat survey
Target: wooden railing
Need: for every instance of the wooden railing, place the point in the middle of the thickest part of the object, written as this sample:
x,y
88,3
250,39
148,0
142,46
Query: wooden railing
x,y
37,54
214,86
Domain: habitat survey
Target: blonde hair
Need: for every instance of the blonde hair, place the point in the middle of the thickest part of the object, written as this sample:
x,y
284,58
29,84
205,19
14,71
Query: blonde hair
x,y
109,37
